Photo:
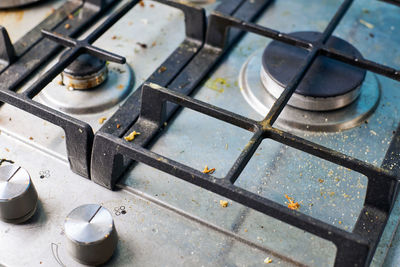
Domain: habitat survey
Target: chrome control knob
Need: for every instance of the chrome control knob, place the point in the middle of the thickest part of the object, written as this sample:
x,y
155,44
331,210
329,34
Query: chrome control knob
x,y
18,196
91,234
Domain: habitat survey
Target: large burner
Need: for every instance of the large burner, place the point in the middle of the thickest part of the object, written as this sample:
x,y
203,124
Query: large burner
x,y
328,85
333,96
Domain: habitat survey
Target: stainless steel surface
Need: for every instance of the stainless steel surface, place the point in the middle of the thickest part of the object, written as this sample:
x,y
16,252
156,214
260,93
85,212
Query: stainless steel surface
x,y
253,89
16,3
91,234
308,102
119,84
171,223
18,196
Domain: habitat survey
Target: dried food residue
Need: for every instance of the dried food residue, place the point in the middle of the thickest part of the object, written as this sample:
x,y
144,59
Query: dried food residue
x,y
118,126
366,24
292,205
223,203
142,45
102,119
67,26
208,171
120,87
217,84
267,260
162,69
131,136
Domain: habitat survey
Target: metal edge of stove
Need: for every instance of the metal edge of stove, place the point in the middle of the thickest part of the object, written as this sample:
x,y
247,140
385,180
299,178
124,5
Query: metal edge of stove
x,y
364,228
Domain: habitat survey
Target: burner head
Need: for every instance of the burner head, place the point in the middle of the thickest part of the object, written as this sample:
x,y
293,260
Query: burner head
x,y
85,72
328,85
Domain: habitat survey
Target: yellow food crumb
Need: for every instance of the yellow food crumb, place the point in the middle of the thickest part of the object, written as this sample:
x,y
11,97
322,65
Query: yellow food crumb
x,y
245,230
131,136
292,205
217,84
340,222
366,24
102,119
208,171
267,260
321,180
223,203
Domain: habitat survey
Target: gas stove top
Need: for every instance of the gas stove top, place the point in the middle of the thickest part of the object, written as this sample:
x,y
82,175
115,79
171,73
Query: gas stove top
x,y
205,133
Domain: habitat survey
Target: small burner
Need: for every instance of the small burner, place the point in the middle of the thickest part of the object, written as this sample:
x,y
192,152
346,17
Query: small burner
x,y
110,89
328,85
85,72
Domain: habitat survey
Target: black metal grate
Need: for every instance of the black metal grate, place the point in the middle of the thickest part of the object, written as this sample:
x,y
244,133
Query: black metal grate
x,y
353,248
14,61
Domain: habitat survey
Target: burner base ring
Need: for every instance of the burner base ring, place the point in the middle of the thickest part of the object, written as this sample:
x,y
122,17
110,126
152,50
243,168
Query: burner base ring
x,y
347,117
116,88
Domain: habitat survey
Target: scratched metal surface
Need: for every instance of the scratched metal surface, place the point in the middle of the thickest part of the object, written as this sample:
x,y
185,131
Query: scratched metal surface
x,y
172,223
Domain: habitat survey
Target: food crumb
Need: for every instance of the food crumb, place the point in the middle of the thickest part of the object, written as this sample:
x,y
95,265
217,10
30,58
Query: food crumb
x,y
141,3
151,5
131,136
70,16
208,171
162,69
60,82
366,24
245,230
120,87
223,203
8,150
292,205
30,138
153,44
102,119
320,180
340,222
114,37
67,26
118,126
267,260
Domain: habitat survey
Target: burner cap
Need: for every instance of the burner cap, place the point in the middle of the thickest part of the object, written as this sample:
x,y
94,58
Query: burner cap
x,y
85,72
328,85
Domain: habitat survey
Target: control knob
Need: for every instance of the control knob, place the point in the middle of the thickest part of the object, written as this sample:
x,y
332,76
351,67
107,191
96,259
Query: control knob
x,y
91,234
18,196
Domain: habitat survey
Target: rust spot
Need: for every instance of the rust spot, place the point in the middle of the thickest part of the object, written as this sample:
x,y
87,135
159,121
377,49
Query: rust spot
x,y
6,16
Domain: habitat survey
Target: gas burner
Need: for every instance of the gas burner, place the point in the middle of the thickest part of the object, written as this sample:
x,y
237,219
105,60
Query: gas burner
x,y
85,72
328,85
16,3
333,96
89,85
